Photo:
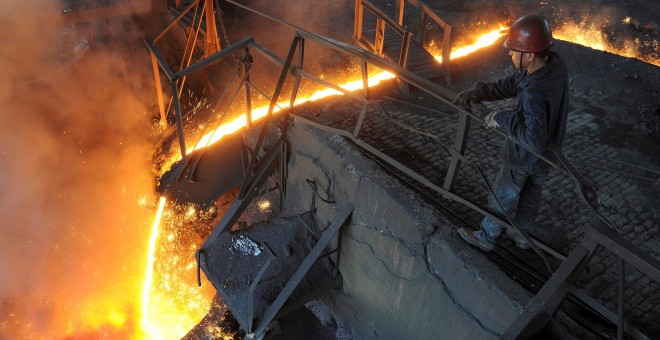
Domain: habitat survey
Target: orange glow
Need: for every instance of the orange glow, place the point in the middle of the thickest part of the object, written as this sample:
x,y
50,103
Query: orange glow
x,y
484,40
172,303
146,292
590,34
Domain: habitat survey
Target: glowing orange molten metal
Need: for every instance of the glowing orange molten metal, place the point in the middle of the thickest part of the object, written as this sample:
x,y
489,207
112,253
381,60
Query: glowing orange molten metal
x,y
484,40
591,35
145,322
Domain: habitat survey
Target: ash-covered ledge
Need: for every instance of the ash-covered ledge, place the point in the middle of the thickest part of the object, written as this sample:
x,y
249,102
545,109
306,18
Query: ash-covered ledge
x,y
406,274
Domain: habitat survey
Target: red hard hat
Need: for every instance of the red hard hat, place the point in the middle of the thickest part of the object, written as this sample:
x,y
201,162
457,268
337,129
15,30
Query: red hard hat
x,y
530,33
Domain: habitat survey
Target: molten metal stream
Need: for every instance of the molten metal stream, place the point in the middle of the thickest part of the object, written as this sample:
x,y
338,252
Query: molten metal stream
x,y
145,322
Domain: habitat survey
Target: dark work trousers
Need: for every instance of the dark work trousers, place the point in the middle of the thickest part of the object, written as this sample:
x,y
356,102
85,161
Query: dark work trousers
x,y
511,186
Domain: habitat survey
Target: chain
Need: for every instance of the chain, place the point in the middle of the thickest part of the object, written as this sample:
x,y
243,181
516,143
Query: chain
x,y
218,11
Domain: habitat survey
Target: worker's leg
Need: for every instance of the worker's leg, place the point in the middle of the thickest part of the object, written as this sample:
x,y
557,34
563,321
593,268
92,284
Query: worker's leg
x,y
528,208
530,201
507,188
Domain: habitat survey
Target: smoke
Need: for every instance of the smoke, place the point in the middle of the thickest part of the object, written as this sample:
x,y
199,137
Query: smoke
x,y
333,19
75,141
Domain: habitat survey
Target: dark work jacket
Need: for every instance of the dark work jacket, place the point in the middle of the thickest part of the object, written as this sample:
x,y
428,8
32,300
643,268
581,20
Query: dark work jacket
x,y
538,117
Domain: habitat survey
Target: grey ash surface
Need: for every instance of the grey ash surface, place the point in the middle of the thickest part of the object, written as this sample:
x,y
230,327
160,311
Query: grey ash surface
x,y
232,272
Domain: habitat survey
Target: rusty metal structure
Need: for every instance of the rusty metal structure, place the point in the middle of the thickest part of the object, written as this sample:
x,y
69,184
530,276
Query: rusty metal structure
x,y
267,159
401,45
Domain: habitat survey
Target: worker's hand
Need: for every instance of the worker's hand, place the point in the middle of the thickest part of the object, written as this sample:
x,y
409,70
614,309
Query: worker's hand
x,y
464,100
480,110
489,121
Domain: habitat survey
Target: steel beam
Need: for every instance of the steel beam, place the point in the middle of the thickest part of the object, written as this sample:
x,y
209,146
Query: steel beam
x,y
266,121
175,21
604,312
161,60
212,42
254,182
214,57
626,250
460,143
545,303
159,92
179,122
342,215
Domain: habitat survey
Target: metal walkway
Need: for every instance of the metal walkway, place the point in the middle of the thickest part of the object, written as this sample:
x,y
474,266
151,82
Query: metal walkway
x,y
400,45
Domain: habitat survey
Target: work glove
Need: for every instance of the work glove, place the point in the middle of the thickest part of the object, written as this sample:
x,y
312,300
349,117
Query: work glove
x,y
464,100
489,121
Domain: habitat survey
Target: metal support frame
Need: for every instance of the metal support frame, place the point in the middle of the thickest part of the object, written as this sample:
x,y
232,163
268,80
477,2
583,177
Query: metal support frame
x,y
382,21
342,216
284,172
253,286
179,122
248,97
366,58
427,13
546,302
212,41
254,183
211,45
265,124
459,150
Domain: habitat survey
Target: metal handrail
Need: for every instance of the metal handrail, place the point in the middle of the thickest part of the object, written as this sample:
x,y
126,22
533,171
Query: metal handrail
x,y
381,20
548,300
428,12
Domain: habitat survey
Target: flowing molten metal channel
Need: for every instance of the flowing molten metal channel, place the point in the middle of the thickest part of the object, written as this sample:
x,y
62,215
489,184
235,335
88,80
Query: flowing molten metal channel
x,y
145,322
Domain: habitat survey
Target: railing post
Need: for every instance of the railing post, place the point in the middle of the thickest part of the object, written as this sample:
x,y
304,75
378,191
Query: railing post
x,y
459,146
212,41
447,39
179,121
159,91
545,303
422,27
405,47
398,14
365,79
357,24
248,97
621,304
404,88
380,36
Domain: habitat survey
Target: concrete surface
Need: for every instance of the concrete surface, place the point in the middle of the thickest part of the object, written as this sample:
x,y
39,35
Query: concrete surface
x,y
404,276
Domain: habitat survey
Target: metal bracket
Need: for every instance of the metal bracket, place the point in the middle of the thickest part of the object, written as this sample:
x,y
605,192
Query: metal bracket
x,y
342,215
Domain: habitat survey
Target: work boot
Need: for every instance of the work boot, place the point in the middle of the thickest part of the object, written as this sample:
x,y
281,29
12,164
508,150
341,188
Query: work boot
x,y
476,238
519,239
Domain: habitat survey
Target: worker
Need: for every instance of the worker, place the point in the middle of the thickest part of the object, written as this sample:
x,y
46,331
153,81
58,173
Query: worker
x,y
536,120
